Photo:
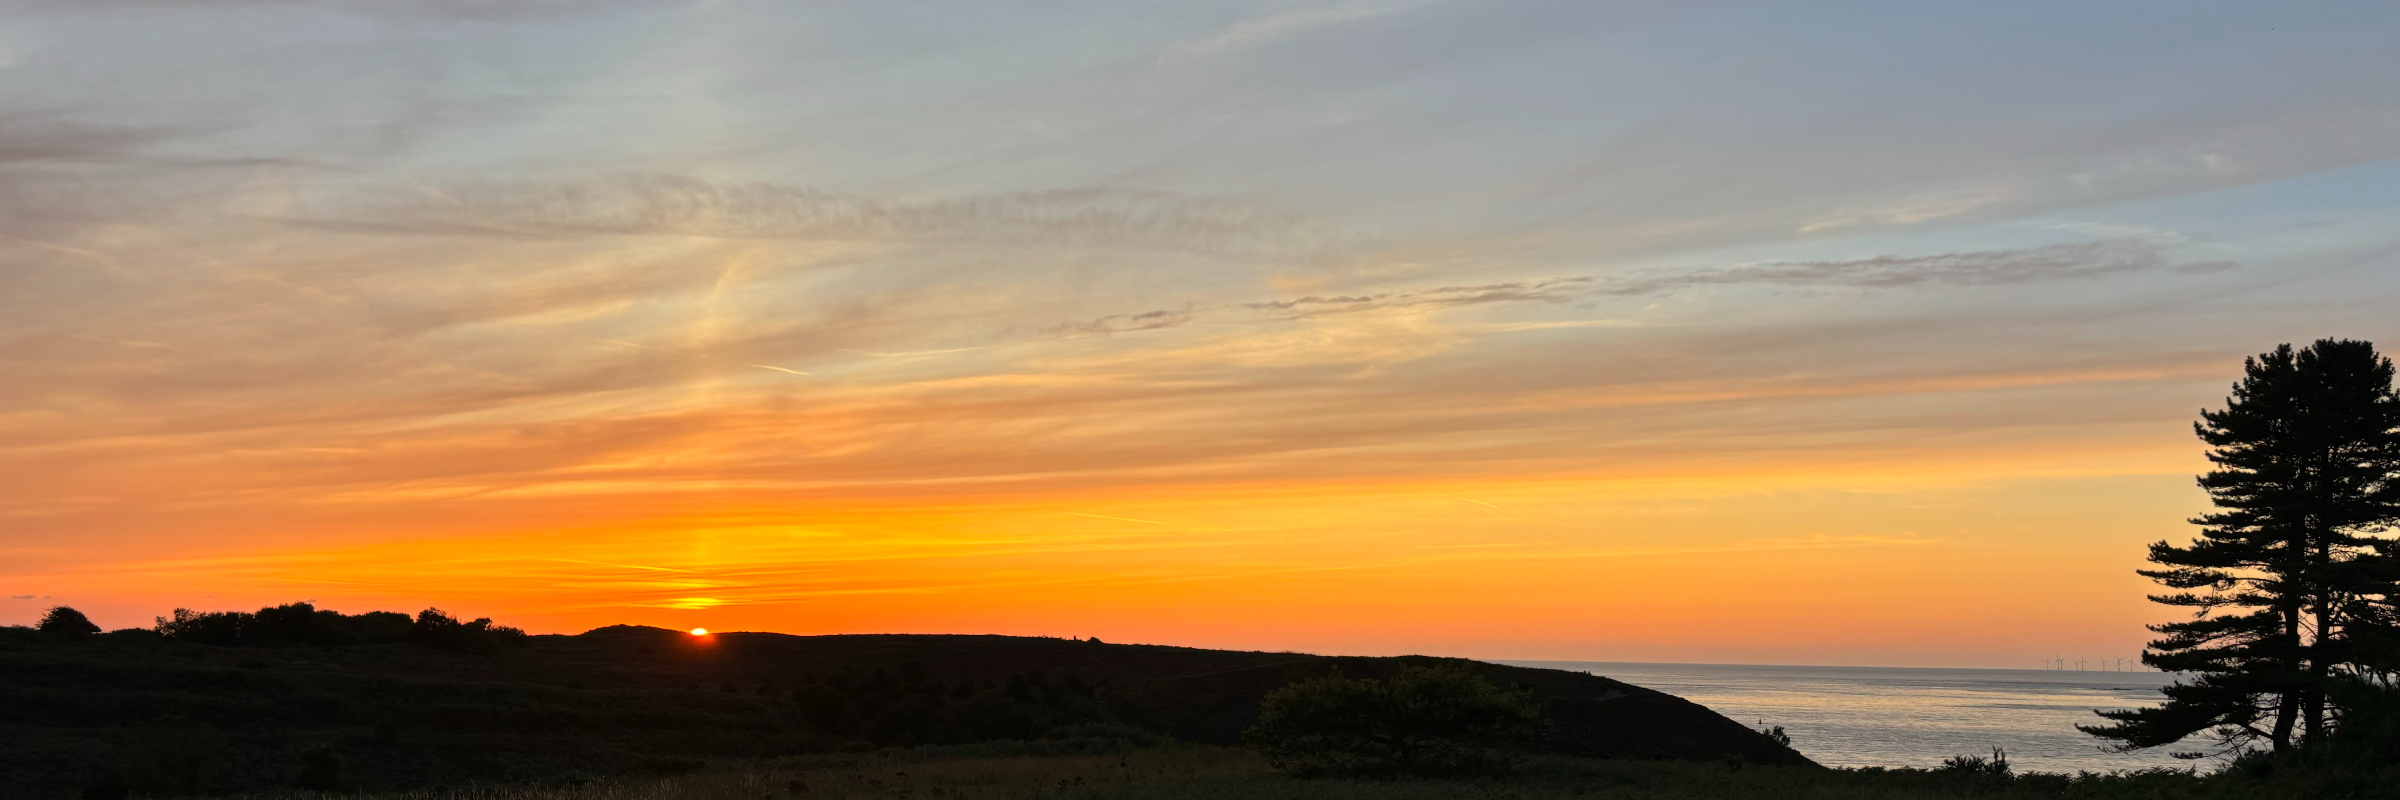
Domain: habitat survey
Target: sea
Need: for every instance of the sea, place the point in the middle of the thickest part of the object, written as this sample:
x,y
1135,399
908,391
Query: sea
x,y
1914,717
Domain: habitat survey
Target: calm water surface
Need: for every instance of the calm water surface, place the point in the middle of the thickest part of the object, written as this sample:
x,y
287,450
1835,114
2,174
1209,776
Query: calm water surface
x,y
1903,717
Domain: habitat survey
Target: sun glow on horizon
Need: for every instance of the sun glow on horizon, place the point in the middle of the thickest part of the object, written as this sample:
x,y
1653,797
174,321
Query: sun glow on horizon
x,y
699,631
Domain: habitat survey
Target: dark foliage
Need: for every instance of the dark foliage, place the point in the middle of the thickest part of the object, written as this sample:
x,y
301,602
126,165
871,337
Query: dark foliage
x,y
1777,735
1995,766
66,622
443,632
2357,758
2290,588
1438,720
302,624
909,706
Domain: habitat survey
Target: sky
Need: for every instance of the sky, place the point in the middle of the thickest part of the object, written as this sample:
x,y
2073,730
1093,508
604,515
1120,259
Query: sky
x,y
1824,333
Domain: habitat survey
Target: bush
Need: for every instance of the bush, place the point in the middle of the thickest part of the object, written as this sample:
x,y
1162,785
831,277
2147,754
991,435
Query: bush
x,y
67,622
382,627
216,627
1444,720
1777,735
1996,766
444,632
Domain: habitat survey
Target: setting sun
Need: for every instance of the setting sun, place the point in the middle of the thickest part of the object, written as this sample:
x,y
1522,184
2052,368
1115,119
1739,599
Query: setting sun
x,y
699,631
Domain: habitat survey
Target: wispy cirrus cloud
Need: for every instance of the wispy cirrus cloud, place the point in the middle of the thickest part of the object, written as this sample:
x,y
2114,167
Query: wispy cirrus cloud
x,y
1126,323
1275,26
1975,268
2060,262
673,205
1551,290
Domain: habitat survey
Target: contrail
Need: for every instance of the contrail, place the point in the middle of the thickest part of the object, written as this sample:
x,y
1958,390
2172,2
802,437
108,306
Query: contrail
x,y
779,369
918,352
703,356
94,256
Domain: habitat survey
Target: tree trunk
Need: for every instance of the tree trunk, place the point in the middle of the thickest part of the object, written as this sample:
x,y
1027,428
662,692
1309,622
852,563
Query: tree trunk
x,y
2320,651
2287,709
2287,700
2320,671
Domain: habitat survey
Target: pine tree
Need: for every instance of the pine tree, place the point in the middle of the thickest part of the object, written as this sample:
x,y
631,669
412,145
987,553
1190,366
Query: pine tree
x,y
2287,575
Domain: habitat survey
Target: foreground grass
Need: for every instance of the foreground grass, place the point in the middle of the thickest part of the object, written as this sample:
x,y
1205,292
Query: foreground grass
x,y
1212,773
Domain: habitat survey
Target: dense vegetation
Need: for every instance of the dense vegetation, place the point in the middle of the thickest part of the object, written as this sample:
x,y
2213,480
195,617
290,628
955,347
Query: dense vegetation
x,y
305,624
66,623
1424,721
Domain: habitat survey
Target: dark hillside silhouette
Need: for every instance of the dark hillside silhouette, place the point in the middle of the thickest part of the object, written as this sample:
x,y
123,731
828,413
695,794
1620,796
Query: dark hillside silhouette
x,y
1425,721
173,713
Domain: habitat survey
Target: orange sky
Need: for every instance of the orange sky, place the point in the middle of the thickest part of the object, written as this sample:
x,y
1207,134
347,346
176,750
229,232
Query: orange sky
x,y
1537,331
1997,553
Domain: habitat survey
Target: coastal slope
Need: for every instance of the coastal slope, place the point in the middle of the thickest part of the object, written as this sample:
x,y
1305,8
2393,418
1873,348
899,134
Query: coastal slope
x,y
168,716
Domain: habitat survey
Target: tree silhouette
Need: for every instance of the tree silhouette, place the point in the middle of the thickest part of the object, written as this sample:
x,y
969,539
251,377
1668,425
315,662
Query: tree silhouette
x,y
67,622
2286,577
441,631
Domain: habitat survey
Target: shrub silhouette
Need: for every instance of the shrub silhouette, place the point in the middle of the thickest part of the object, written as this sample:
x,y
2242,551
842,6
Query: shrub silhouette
x,y
444,632
305,624
1996,766
1443,720
67,622
382,627
216,627
1777,735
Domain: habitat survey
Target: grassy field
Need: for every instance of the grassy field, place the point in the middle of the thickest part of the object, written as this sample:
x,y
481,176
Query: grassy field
x,y
1218,773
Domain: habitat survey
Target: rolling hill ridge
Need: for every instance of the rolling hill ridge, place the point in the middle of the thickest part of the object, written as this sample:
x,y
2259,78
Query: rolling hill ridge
x,y
136,709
